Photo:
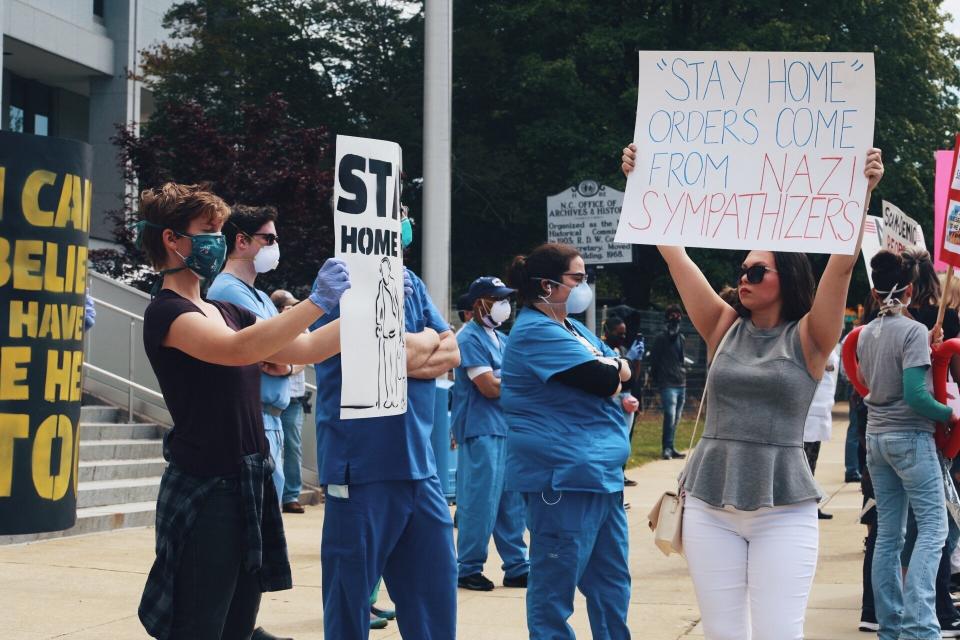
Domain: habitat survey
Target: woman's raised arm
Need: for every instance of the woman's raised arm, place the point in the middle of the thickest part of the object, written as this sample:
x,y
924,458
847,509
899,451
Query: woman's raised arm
x,y
820,329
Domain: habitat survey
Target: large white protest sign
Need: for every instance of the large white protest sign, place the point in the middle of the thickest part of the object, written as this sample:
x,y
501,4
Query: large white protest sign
x,y
586,216
744,150
367,226
900,231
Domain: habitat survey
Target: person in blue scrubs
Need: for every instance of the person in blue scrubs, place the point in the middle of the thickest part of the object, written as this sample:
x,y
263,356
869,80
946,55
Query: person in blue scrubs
x,y
479,427
254,248
566,447
385,511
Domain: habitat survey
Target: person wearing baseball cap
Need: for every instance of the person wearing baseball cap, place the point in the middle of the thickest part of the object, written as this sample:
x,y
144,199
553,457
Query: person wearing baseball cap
x,y
479,427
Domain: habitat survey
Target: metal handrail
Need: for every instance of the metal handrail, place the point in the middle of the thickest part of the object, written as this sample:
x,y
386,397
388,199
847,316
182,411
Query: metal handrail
x,y
130,383
117,309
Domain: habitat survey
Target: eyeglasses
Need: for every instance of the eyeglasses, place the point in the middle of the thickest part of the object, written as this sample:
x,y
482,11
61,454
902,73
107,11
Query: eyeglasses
x,y
268,238
577,276
755,273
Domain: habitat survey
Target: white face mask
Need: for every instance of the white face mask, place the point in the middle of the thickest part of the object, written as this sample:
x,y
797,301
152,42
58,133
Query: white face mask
x,y
580,298
267,258
499,313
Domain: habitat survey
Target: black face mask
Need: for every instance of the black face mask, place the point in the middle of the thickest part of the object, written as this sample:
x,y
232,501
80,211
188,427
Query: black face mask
x,y
616,340
673,327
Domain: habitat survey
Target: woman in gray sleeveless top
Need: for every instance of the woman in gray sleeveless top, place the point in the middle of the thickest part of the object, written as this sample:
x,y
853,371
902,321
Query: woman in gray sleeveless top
x,y
750,529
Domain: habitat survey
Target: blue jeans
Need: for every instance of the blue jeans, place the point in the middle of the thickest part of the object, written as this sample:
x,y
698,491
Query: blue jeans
x,y
905,468
292,420
672,399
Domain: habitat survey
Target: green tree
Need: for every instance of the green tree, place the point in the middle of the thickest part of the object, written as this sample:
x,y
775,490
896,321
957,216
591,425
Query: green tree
x,y
249,96
545,95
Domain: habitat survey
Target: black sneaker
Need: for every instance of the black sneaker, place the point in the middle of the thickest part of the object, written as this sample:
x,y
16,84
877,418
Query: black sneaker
x,y
824,516
676,454
627,482
262,634
852,477
950,629
667,455
520,582
868,626
476,582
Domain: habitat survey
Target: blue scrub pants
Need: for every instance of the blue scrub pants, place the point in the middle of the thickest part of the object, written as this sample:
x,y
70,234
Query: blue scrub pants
x,y
484,508
398,529
577,540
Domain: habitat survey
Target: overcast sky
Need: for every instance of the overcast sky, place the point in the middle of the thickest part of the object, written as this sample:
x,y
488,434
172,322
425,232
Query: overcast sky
x,y
953,7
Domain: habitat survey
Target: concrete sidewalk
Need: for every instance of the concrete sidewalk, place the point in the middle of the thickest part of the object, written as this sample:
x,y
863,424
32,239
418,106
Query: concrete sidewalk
x,y
87,588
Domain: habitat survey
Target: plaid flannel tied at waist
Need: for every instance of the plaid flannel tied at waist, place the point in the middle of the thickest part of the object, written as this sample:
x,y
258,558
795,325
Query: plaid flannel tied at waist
x,y
180,500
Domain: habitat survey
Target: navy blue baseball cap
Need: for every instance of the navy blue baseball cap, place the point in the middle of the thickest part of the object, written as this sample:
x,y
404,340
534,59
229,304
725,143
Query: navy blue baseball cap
x,y
488,287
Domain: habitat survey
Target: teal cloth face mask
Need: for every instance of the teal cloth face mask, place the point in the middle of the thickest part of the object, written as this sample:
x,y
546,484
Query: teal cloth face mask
x,y
406,232
207,253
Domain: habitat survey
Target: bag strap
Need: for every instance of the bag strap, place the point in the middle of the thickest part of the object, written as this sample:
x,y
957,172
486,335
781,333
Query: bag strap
x,y
703,399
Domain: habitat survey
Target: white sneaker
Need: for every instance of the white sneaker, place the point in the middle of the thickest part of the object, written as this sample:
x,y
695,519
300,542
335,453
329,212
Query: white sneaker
x,y
868,626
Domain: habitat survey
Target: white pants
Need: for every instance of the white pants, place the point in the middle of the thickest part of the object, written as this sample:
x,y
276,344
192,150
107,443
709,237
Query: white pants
x,y
752,570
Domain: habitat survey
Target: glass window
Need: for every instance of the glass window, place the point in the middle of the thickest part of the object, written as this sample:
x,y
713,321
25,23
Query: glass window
x,y
41,125
16,119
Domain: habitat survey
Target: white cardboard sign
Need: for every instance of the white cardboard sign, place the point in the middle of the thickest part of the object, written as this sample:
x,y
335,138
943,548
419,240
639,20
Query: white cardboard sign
x,y
872,242
367,226
900,231
743,150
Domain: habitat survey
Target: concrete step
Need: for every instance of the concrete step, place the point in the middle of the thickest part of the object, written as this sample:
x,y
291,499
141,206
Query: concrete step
x,y
97,519
119,431
99,493
101,413
94,470
122,449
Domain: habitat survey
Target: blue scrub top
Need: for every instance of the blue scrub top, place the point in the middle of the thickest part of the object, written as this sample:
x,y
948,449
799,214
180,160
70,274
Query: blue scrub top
x,y
274,390
378,449
474,414
560,438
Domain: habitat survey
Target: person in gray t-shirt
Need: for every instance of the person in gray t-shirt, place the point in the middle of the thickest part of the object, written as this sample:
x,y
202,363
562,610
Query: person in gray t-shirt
x,y
889,346
902,458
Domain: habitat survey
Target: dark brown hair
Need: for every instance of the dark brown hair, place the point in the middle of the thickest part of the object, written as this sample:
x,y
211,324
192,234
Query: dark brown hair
x,y
797,284
174,206
926,288
549,261
892,271
246,220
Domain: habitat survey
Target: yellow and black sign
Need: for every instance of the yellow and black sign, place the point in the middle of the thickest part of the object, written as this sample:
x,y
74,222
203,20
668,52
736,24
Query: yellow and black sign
x,y
45,203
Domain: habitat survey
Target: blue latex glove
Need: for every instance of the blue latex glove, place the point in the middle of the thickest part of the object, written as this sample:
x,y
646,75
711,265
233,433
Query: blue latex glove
x,y
636,351
89,313
407,283
332,281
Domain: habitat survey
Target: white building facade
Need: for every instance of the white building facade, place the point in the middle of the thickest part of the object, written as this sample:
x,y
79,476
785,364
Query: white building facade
x,y
68,72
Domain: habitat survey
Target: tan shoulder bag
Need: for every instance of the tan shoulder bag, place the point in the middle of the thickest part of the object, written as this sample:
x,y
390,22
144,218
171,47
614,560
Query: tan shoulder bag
x,y
666,517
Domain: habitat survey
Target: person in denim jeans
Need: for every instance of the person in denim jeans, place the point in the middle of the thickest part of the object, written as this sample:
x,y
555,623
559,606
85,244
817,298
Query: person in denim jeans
x,y
667,370
902,458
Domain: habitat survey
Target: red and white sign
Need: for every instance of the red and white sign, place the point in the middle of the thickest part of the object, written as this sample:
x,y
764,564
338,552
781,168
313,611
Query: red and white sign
x,y
949,240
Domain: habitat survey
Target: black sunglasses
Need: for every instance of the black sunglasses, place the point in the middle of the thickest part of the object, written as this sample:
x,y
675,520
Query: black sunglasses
x,y
268,238
755,273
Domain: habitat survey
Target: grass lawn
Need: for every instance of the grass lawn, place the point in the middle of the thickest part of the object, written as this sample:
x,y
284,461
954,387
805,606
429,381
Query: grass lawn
x,y
646,437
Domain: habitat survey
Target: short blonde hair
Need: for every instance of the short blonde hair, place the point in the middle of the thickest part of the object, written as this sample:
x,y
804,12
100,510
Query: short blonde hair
x,y
175,206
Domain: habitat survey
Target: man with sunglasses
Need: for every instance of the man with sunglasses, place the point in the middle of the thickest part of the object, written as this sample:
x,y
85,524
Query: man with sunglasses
x,y
669,375
254,248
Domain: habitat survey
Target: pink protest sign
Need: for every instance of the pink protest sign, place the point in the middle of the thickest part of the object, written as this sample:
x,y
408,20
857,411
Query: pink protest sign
x,y
941,188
